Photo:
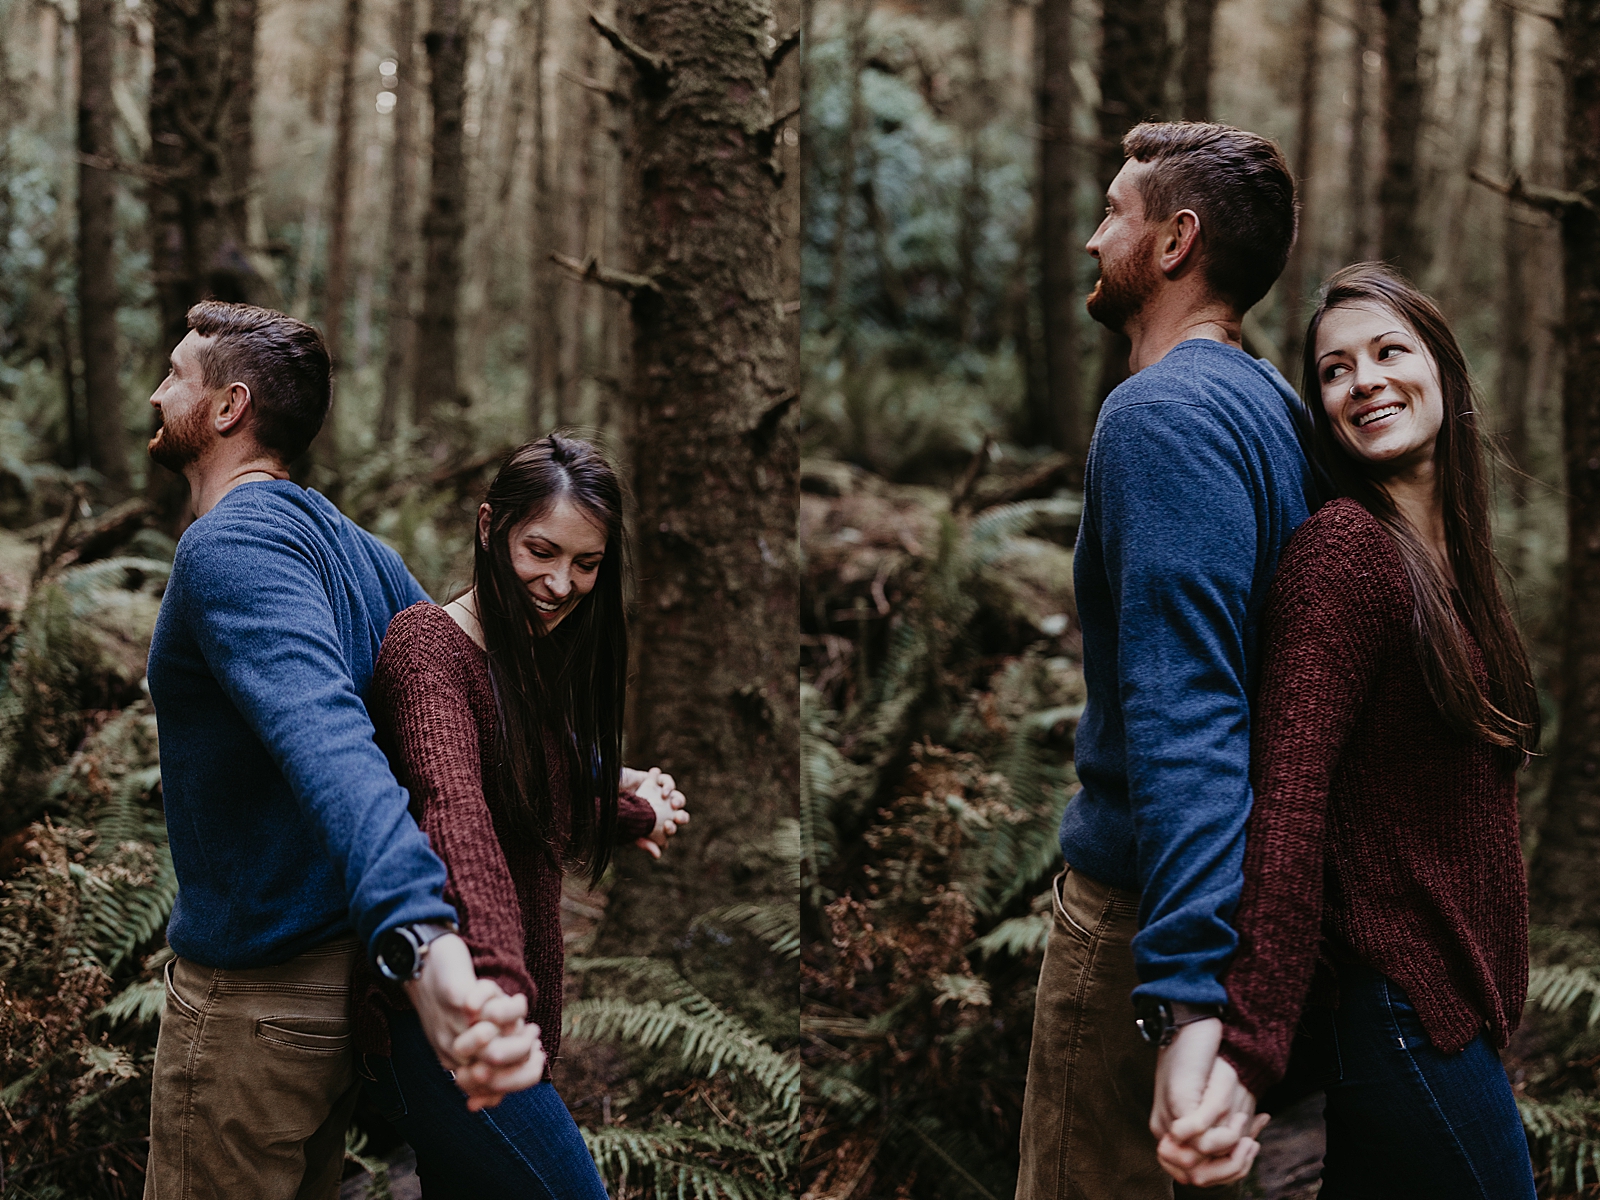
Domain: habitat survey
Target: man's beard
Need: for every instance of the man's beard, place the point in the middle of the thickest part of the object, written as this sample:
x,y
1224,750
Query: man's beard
x,y
1124,287
179,443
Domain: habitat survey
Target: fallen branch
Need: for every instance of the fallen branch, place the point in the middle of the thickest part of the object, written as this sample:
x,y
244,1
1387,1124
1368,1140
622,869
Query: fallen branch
x,y
1554,201
104,534
1039,481
655,68
976,466
590,270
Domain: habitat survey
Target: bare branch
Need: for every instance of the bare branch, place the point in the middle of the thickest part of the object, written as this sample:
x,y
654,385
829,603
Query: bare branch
x,y
1549,200
590,271
656,68
594,85
105,162
785,45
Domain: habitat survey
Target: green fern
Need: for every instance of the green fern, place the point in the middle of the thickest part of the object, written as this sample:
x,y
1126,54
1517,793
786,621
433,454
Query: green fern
x,y
1016,936
1568,1130
665,1161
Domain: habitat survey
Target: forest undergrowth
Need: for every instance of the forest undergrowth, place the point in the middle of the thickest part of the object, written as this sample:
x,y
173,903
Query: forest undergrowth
x,y
942,691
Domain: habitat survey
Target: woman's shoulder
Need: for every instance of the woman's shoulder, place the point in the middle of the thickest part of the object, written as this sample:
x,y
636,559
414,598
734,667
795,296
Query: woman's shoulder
x,y
1342,553
424,639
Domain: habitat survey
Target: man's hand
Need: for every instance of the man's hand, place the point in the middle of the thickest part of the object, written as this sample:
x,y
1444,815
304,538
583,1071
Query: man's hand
x,y
452,1002
662,794
1203,1116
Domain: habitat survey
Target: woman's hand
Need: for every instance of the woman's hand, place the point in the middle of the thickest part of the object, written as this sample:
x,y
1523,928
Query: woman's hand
x,y
498,1061
661,792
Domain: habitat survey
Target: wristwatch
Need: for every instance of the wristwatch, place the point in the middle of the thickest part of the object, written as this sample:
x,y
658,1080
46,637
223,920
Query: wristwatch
x,y
1159,1020
400,951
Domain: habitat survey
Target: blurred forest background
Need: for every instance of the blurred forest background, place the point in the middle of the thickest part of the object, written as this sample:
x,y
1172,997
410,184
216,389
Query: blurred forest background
x,y
506,216
957,153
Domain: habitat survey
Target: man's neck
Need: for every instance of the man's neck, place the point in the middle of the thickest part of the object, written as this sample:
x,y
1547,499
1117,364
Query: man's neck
x,y
210,481
1169,318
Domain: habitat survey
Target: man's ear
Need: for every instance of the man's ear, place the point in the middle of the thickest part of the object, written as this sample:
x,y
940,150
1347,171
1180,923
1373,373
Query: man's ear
x,y
1179,242
236,402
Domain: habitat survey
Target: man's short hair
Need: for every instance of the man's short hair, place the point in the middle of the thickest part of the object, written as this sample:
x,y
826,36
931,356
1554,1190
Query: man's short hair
x,y
283,362
1240,187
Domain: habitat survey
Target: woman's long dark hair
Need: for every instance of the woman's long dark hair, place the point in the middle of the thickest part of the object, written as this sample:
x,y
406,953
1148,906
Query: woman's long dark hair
x,y
562,691
1508,715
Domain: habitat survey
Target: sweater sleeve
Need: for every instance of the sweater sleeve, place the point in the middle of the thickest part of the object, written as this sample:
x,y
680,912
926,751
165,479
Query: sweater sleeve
x,y
259,611
635,818
1338,607
422,704
1181,548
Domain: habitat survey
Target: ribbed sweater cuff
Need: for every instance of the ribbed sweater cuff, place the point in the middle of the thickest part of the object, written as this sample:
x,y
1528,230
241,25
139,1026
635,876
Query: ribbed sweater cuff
x,y
635,817
1257,1076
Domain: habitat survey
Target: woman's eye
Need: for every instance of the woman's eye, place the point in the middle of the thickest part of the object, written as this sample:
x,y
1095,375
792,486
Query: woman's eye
x,y
1334,372
589,566
1384,353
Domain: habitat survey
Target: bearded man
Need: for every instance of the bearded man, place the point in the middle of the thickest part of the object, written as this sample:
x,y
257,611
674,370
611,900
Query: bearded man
x,y
1195,479
294,849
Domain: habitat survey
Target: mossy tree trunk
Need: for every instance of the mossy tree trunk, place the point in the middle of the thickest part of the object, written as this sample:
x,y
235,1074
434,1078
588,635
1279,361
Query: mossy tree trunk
x,y
716,457
1399,239
402,237
1565,879
1062,423
445,226
97,273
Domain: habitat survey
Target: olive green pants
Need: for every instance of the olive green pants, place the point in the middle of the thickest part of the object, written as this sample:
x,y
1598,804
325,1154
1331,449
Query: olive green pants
x,y
1091,1076
254,1081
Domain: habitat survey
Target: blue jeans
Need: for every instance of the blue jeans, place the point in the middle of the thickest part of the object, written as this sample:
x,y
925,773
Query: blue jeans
x,y
526,1146
1405,1121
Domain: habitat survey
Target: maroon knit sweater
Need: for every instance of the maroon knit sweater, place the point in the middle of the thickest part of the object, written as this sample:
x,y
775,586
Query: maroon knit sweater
x,y
1378,833
433,707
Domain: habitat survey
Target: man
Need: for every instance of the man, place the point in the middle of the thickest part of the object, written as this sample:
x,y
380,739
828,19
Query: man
x,y
1195,479
294,850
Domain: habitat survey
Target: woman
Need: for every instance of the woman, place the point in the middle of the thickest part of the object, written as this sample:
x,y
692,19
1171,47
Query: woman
x,y
1383,923
502,714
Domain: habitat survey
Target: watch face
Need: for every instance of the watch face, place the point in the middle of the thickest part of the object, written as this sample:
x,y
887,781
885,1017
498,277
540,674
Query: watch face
x,y
397,958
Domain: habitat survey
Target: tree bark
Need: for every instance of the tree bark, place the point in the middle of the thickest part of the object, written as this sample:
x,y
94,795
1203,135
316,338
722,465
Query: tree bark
x,y
339,211
444,227
1400,237
1516,349
97,277
398,335
1294,276
1564,880
246,266
1358,245
1062,423
1135,56
716,459
1199,18
544,351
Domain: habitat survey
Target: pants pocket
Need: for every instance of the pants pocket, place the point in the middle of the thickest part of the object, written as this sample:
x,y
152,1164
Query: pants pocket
x,y
314,1035
176,1004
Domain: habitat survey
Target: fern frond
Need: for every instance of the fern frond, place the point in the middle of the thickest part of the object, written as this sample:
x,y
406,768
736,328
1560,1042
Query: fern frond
x,y
1569,1132
1018,936
1561,987
141,1000
667,1160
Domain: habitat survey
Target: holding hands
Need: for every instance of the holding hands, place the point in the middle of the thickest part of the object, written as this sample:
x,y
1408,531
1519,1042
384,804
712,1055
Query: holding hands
x,y
662,794
479,1033
1204,1118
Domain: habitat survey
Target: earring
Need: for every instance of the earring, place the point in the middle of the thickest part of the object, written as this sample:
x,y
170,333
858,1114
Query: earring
x,y
1352,391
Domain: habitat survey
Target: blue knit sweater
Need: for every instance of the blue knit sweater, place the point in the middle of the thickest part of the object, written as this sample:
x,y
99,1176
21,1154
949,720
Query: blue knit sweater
x,y
1194,482
287,826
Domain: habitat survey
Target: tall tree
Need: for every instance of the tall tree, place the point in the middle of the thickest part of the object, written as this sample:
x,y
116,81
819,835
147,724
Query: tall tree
x,y
402,237
339,207
1199,17
1400,236
1516,348
1135,58
1062,422
716,460
1563,879
1294,275
97,268
444,227
249,265
544,349
1358,243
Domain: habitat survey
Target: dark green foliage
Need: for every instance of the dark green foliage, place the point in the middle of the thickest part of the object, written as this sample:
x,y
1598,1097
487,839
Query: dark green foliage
x,y
1558,1089
929,809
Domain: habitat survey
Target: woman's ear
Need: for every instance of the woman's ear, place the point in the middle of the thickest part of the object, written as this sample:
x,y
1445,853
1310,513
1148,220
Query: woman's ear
x,y
484,513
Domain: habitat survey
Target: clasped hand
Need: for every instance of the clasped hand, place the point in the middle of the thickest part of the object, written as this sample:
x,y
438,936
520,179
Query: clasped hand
x,y
480,1034
661,793
1204,1118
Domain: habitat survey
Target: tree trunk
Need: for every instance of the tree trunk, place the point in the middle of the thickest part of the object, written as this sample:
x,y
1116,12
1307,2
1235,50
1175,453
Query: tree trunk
x,y
444,227
1516,349
1199,16
339,190
716,460
247,268
1062,423
1564,876
1294,276
1358,245
398,335
97,268
544,351
1135,56
1400,238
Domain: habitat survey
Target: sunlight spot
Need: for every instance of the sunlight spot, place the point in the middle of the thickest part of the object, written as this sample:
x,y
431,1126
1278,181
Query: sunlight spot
x,y
386,102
